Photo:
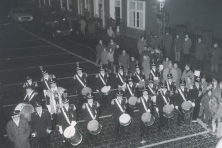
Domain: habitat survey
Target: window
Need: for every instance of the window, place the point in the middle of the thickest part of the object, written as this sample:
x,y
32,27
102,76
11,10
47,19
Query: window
x,y
136,14
63,4
80,6
69,5
88,5
50,3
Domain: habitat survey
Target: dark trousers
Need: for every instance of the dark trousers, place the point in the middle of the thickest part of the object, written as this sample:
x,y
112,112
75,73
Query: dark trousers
x,y
43,142
130,110
81,99
119,129
91,138
163,121
143,128
180,115
200,64
54,121
186,58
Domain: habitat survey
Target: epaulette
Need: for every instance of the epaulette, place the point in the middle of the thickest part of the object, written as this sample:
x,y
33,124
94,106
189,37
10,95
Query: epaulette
x,y
74,77
116,75
107,75
83,107
97,75
112,102
86,74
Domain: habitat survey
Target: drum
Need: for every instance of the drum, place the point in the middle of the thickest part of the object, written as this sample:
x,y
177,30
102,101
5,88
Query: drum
x,y
186,107
141,84
86,90
125,119
168,111
132,102
94,127
148,119
25,110
106,90
72,135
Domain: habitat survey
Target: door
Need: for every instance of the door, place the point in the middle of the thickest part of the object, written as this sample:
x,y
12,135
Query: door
x,y
117,15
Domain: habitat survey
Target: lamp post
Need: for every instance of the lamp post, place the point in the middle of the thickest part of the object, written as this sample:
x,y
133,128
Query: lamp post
x,y
162,22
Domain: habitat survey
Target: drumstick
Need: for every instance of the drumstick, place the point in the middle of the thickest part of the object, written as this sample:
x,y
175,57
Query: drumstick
x,y
99,93
178,111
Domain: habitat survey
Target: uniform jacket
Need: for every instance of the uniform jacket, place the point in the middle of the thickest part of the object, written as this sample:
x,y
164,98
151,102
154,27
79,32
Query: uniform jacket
x,y
99,82
160,100
116,112
173,71
200,49
215,54
33,85
148,104
83,79
71,114
171,86
192,95
186,46
138,77
127,92
32,99
153,91
19,135
94,109
179,99
40,124
119,77
156,73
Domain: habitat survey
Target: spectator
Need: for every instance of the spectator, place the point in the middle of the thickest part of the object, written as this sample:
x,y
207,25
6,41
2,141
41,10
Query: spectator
x,y
76,26
218,118
146,66
132,65
118,33
110,32
170,70
124,60
82,23
110,22
104,58
186,48
122,29
112,45
69,18
188,73
179,74
177,47
141,44
97,21
146,52
99,48
166,62
110,59
117,52
168,41
155,42
215,56
200,49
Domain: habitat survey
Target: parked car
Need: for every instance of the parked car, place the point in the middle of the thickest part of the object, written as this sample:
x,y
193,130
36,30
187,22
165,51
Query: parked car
x,y
19,15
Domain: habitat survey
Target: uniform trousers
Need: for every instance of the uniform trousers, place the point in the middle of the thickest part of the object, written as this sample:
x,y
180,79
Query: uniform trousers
x,y
143,128
43,142
54,121
180,115
163,121
91,138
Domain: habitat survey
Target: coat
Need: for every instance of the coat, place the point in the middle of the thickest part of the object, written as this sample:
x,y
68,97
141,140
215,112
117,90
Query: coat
x,y
177,46
40,124
200,49
113,46
186,46
215,55
146,68
124,60
179,99
128,92
141,44
94,110
138,77
187,74
155,42
117,52
120,79
19,135
99,49
116,112
173,71
168,41
104,57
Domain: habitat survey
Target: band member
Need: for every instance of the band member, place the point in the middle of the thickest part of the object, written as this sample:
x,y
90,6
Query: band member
x,y
66,117
102,79
30,83
119,105
54,100
41,126
18,130
151,87
121,78
46,80
144,104
138,77
80,81
91,112
171,86
162,98
31,96
155,74
181,95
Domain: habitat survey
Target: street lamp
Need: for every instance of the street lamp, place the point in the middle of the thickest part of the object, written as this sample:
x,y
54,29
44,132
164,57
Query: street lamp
x,y
162,24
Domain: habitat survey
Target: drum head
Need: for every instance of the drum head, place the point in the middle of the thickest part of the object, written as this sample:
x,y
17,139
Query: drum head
x,y
86,90
132,100
186,105
93,125
124,118
69,132
146,117
105,89
141,84
167,108
26,110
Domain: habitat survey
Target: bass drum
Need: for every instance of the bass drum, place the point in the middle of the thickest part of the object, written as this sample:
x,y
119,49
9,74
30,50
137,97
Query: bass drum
x,y
148,119
125,119
186,107
168,111
86,90
72,135
106,90
25,110
94,127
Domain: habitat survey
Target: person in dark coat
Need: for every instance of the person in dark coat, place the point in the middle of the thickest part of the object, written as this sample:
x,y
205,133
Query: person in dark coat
x,y
155,42
168,41
144,104
117,52
31,96
41,126
124,60
122,28
110,22
177,47
119,106
187,43
18,130
215,57
200,49
91,112
99,49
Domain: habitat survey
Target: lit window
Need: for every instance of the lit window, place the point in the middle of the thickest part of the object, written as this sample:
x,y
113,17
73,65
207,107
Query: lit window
x,y
69,5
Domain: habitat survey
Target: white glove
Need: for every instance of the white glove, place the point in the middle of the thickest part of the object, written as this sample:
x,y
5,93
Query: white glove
x,y
60,130
73,123
193,104
172,105
48,131
176,107
148,110
33,134
157,109
49,108
200,103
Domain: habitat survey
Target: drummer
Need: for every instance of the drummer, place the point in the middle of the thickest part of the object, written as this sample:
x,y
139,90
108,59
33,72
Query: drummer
x,y
121,78
152,90
119,106
144,104
171,86
30,83
80,81
91,112
46,78
66,117
155,74
181,95
130,92
138,77
102,79
31,97
162,99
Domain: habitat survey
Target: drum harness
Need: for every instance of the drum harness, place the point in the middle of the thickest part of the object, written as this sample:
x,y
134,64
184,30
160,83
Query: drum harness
x,y
144,105
151,89
80,81
152,72
90,112
168,86
67,119
121,79
46,83
120,107
180,91
30,98
164,98
102,79
129,89
138,76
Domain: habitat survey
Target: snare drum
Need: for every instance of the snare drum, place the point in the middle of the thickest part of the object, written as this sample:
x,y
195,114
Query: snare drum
x,y
106,90
125,119
94,127
132,102
25,110
86,91
148,119
168,111
72,135
186,107
141,84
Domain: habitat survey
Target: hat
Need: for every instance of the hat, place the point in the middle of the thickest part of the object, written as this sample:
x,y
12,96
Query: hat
x,y
120,68
182,83
78,68
28,78
15,112
137,66
130,80
89,96
197,79
153,64
102,68
119,93
65,100
44,72
169,76
163,85
52,81
37,104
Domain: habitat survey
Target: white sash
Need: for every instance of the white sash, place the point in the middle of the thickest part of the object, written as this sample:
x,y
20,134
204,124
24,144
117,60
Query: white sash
x,y
168,86
80,81
46,83
67,119
152,73
121,79
91,114
30,96
138,76
164,98
102,79
120,107
129,89
150,89
144,105
182,94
